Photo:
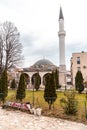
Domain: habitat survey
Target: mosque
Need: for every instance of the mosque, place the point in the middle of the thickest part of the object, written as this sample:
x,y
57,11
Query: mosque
x,y
45,66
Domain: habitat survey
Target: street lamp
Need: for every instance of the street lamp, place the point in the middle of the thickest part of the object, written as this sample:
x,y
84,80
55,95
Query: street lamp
x,y
33,90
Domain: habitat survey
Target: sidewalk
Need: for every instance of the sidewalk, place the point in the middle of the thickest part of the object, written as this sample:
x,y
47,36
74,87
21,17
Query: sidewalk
x,y
16,120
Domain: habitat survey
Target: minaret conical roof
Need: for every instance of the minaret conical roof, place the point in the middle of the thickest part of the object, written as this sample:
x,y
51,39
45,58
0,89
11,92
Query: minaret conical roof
x,y
61,14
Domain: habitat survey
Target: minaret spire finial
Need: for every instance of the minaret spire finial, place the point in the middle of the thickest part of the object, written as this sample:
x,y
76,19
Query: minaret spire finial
x,y
61,14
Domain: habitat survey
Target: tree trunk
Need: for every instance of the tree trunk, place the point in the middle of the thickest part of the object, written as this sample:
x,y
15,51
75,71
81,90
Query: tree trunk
x,y
50,106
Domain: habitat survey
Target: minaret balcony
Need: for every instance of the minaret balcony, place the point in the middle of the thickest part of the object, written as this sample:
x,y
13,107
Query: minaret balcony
x,y
61,33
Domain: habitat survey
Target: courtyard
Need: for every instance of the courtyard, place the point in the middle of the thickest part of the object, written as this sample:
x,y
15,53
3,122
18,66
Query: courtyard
x,y
17,120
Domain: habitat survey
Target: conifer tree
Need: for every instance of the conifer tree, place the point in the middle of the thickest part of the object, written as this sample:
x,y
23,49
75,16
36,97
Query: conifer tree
x,y
13,84
79,82
37,81
21,88
3,86
56,78
50,90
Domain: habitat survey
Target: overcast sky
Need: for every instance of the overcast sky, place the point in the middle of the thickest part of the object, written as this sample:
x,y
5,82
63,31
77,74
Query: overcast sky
x,y
37,22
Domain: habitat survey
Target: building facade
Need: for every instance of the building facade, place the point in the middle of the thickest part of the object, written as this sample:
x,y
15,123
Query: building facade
x,y
41,67
79,62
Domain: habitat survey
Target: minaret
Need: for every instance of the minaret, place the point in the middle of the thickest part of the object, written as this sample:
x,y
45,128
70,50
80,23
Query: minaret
x,y
61,34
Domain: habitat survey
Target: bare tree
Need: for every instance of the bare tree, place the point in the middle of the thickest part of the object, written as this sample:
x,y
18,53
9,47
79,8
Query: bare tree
x,y
1,54
11,47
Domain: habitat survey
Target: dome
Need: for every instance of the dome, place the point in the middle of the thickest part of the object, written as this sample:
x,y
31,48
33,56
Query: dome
x,y
43,62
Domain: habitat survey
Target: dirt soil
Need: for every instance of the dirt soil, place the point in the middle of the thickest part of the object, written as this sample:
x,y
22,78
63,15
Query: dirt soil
x,y
60,114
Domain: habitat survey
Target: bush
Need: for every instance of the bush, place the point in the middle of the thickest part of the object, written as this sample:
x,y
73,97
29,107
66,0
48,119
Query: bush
x,y
69,103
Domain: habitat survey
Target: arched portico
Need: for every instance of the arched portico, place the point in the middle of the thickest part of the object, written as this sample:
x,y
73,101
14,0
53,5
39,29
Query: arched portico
x,y
29,75
41,67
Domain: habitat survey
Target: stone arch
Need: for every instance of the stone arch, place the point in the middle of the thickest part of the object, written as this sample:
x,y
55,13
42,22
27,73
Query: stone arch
x,y
45,77
29,75
34,76
27,78
42,75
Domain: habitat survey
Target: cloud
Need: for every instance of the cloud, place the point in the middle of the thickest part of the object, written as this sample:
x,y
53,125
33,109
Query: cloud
x,y
34,50
48,50
37,22
78,46
27,39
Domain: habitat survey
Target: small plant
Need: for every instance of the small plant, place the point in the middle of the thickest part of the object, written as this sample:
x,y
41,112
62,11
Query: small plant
x,y
69,103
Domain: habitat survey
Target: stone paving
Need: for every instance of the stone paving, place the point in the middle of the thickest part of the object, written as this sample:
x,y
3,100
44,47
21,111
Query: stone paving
x,y
17,120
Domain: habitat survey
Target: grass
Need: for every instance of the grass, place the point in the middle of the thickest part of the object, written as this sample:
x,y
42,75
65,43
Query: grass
x,y
57,111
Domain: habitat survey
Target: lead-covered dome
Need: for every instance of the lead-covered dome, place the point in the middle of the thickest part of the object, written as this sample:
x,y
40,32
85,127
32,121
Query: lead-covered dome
x,y
43,62
41,65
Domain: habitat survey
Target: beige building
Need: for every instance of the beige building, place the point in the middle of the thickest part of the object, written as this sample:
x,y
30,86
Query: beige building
x,y
79,62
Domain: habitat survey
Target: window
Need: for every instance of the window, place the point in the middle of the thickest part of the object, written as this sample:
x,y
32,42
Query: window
x,y
78,60
84,67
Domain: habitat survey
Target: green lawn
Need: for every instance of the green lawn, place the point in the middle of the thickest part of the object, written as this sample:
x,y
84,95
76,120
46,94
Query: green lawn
x,y
39,98
58,111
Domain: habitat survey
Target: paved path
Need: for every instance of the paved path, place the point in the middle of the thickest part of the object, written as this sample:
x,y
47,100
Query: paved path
x,y
16,120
